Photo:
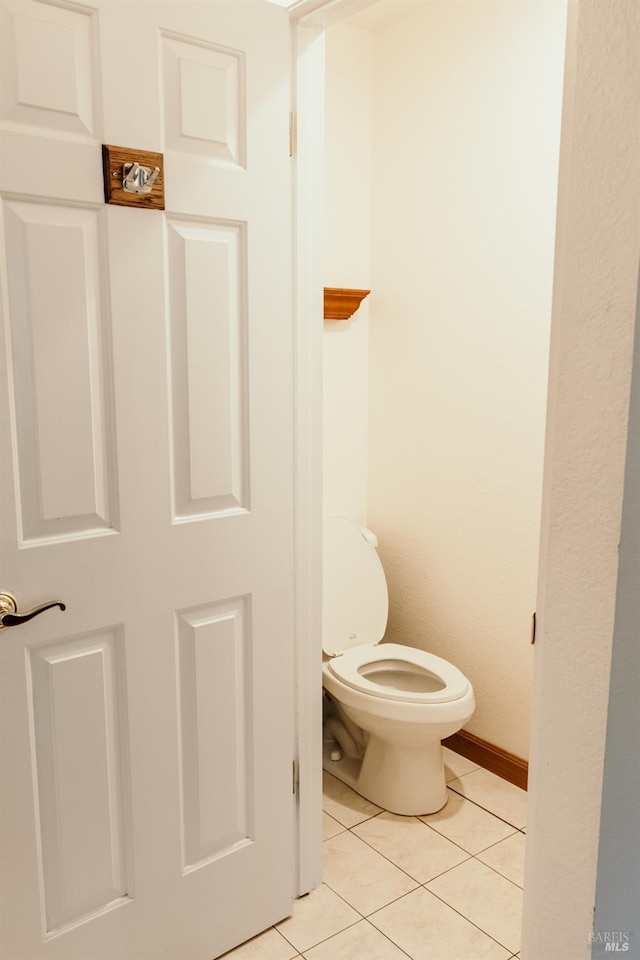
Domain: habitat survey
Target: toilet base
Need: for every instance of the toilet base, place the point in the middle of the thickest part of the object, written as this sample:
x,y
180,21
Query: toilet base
x,y
408,782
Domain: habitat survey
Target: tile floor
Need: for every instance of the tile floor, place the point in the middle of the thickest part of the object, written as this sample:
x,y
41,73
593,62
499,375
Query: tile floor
x,y
441,887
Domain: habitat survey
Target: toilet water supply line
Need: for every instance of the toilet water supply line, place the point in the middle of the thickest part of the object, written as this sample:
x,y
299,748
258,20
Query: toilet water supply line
x,y
348,746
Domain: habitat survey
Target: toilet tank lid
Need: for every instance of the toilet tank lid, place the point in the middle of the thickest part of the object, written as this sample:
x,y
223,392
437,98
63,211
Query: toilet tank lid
x,y
355,601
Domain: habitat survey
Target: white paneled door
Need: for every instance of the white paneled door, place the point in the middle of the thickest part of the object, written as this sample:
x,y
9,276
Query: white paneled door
x,y
146,473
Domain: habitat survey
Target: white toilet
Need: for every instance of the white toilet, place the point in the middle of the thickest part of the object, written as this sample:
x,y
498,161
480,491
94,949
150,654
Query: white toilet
x,y
394,703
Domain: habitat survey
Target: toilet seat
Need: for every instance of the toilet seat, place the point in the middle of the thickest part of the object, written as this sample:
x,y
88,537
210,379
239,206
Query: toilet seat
x,y
355,602
407,667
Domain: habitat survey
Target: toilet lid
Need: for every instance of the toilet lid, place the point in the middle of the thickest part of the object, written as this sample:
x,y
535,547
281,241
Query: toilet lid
x,y
395,672
355,602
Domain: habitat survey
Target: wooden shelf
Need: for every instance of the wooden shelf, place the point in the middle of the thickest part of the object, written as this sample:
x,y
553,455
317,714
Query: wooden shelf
x,y
340,303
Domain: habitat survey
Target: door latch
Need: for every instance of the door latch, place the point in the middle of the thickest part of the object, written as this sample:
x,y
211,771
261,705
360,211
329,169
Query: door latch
x,y
9,616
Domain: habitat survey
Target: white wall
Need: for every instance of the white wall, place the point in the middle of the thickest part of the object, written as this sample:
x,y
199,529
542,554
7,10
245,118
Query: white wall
x,y
594,303
466,142
349,118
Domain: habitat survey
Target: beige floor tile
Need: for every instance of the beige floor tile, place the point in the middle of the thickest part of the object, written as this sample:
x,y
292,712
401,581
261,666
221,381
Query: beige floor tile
x,y
468,825
496,795
411,845
427,929
360,942
316,917
507,858
330,827
344,804
490,901
266,946
456,765
360,875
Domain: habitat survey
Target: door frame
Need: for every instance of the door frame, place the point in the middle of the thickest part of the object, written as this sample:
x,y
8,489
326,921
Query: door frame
x,y
308,150
549,792
309,19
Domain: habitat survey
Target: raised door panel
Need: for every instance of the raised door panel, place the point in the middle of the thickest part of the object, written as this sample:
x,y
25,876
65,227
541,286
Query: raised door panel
x,y
81,775
207,277
215,683
61,373
48,67
204,99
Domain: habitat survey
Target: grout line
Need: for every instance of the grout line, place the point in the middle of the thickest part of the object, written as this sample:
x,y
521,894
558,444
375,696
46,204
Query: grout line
x,y
324,939
462,795
497,843
493,869
373,927
348,927
345,827
459,846
362,920
365,916
354,825
435,829
459,776
390,939
486,809
361,916
477,857
288,942
500,944
397,865
464,849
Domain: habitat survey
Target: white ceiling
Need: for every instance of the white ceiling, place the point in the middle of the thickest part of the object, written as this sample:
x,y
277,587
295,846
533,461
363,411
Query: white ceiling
x,y
381,14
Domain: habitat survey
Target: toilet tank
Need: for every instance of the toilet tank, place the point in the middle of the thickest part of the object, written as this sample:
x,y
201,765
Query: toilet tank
x,y
355,601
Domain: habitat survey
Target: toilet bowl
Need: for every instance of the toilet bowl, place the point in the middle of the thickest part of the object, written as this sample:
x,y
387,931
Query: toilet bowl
x,y
396,703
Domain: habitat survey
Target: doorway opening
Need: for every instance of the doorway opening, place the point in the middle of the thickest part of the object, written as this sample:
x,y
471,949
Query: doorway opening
x,y
442,145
